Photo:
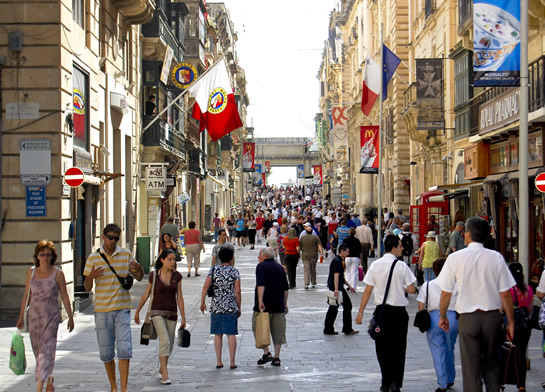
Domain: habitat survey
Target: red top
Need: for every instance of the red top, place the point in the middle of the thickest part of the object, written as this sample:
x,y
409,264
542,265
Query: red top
x,y
290,246
192,236
524,300
259,222
331,227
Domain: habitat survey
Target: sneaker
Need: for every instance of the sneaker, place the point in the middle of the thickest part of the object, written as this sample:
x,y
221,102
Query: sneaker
x,y
166,382
313,286
239,247
306,287
265,358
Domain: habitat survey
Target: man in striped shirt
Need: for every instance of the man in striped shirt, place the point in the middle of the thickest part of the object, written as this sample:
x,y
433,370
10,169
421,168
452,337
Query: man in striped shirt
x,y
112,302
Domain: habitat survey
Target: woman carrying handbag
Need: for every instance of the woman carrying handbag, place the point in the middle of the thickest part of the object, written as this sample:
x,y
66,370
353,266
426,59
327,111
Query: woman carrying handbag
x,y
167,299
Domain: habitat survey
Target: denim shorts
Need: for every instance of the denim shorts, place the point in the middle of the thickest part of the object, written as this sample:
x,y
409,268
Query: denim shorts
x,y
114,331
224,324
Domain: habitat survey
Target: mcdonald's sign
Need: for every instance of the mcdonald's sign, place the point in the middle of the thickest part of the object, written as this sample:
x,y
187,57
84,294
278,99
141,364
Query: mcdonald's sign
x,y
248,157
369,149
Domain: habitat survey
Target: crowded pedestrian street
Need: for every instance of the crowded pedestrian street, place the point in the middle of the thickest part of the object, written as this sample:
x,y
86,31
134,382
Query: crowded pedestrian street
x,y
311,361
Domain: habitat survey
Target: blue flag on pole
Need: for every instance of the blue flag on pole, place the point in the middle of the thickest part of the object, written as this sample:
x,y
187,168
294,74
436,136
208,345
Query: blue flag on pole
x,y
390,64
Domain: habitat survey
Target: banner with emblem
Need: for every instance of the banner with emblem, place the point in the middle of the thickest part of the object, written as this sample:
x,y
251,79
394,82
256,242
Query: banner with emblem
x,y
248,157
264,178
317,171
429,94
80,115
183,74
340,133
369,139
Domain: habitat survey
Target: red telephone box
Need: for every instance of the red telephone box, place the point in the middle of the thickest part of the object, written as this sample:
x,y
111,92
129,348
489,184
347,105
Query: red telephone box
x,y
425,216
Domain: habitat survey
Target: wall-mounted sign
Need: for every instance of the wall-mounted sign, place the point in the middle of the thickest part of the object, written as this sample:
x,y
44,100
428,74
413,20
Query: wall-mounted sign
x,y
167,61
35,161
183,74
35,201
156,178
502,110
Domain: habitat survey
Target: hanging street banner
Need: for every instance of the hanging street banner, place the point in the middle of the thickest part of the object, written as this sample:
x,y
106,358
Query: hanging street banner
x,y
264,178
429,94
248,157
340,133
496,39
317,169
258,178
267,166
300,171
183,74
369,149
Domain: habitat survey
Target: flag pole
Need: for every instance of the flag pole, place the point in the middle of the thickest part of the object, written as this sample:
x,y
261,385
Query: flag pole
x,y
180,95
379,180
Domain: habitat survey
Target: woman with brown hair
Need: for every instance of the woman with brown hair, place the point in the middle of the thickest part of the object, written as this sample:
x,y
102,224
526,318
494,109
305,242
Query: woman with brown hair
x,y
43,283
291,255
193,246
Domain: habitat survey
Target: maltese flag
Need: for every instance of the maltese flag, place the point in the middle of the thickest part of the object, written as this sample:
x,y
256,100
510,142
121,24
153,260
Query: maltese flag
x,y
215,106
371,86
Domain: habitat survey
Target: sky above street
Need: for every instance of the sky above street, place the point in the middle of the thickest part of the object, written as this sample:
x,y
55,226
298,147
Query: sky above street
x,y
280,46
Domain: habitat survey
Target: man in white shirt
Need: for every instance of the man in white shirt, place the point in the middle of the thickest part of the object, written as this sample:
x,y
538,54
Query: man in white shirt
x,y
392,345
483,281
365,235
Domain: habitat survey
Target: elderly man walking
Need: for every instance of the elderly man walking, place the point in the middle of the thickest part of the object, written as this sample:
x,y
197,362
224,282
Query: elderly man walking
x,y
456,238
271,295
310,247
365,235
483,282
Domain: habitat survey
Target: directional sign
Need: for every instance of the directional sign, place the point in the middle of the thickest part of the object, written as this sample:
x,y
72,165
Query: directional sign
x,y
35,162
35,201
540,182
73,177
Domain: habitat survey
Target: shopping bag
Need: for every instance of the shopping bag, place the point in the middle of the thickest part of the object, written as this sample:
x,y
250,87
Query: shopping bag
x,y
17,358
360,273
262,330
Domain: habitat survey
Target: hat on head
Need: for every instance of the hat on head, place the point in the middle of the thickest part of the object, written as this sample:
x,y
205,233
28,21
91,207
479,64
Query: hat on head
x,y
431,234
275,223
307,225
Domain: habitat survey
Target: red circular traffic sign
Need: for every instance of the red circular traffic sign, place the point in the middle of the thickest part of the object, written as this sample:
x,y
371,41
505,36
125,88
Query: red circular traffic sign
x,y
73,177
540,182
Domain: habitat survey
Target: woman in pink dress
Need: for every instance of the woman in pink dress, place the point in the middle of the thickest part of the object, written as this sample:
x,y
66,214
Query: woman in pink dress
x,y
44,312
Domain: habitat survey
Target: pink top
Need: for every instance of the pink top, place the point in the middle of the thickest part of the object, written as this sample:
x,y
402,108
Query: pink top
x,y
192,236
521,298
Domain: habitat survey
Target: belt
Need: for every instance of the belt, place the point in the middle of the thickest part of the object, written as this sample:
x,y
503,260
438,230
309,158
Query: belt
x,y
486,311
164,313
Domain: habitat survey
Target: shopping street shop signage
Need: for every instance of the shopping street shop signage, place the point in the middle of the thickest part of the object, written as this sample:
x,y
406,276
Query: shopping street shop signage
x,y
502,110
35,201
35,162
156,178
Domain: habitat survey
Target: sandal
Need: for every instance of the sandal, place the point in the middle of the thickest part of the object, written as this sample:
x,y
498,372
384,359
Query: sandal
x,y
50,387
276,362
265,358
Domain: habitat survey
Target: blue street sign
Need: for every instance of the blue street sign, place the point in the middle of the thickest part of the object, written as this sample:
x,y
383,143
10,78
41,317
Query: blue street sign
x,y
35,201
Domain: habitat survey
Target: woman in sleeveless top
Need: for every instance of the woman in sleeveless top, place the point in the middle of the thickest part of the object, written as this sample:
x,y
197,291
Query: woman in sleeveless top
x,y
44,312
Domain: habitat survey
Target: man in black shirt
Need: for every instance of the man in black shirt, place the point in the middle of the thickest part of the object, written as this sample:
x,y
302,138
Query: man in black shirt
x,y
335,283
150,106
271,295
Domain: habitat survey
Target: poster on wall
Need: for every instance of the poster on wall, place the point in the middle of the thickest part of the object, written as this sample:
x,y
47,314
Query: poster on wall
x,y
429,94
248,157
496,43
369,149
317,169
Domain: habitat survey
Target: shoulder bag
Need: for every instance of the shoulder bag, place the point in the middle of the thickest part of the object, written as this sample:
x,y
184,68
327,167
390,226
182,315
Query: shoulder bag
x,y
520,314
210,290
147,332
126,282
422,319
25,314
374,329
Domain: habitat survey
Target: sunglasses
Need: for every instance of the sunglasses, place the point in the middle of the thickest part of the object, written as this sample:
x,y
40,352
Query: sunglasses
x,y
111,237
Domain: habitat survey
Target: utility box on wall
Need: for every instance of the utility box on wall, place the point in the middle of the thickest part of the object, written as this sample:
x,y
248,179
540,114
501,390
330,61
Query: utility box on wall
x,y
477,161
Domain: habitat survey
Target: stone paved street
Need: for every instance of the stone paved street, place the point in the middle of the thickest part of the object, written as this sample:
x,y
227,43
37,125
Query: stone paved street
x,y
310,361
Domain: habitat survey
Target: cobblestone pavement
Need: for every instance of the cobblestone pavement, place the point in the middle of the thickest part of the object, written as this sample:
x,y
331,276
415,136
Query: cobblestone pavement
x,y
310,361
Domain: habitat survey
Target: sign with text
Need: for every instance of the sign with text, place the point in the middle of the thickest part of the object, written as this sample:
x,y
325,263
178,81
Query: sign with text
x,y
35,162
35,201
156,178
248,157
369,150
502,110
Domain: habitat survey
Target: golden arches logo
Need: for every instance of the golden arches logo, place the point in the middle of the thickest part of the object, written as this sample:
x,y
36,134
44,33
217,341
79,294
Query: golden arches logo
x,y
369,133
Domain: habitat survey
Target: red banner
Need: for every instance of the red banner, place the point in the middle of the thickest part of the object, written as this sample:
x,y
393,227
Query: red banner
x,y
248,157
317,169
369,149
267,166
264,177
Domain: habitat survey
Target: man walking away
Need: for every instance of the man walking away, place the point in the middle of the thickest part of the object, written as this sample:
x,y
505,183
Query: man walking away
x,y
365,235
483,282
392,344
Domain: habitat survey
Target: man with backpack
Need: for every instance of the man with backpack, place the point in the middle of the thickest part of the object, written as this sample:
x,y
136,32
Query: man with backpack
x,y
365,235
408,241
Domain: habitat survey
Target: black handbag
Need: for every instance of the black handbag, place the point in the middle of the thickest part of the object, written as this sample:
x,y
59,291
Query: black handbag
x,y
210,290
126,282
374,330
184,337
521,316
534,317
148,332
510,364
422,319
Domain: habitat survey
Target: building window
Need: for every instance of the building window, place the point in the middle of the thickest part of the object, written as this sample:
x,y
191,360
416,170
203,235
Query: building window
x,y
80,99
78,11
463,78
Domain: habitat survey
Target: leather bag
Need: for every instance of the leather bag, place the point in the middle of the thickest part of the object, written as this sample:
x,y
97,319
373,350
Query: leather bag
x,y
374,329
125,281
422,319
148,332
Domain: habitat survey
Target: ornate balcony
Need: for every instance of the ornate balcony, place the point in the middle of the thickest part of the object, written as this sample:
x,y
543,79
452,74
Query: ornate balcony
x,y
162,135
157,36
136,12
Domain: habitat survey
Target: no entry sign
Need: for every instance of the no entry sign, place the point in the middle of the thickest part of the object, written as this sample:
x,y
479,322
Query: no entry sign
x,y
540,182
73,177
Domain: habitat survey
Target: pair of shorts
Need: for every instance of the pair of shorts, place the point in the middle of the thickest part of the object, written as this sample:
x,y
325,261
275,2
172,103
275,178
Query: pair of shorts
x,y
224,324
114,331
239,234
277,322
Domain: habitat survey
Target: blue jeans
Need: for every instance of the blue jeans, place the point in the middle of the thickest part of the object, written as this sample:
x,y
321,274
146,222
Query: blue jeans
x,y
114,329
428,274
441,345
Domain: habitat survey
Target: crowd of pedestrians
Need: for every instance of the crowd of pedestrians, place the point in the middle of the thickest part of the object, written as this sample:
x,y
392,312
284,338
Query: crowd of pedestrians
x,y
464,293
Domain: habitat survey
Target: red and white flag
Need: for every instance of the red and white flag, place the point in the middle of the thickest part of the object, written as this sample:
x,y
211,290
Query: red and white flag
x,y
216,108
371,86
